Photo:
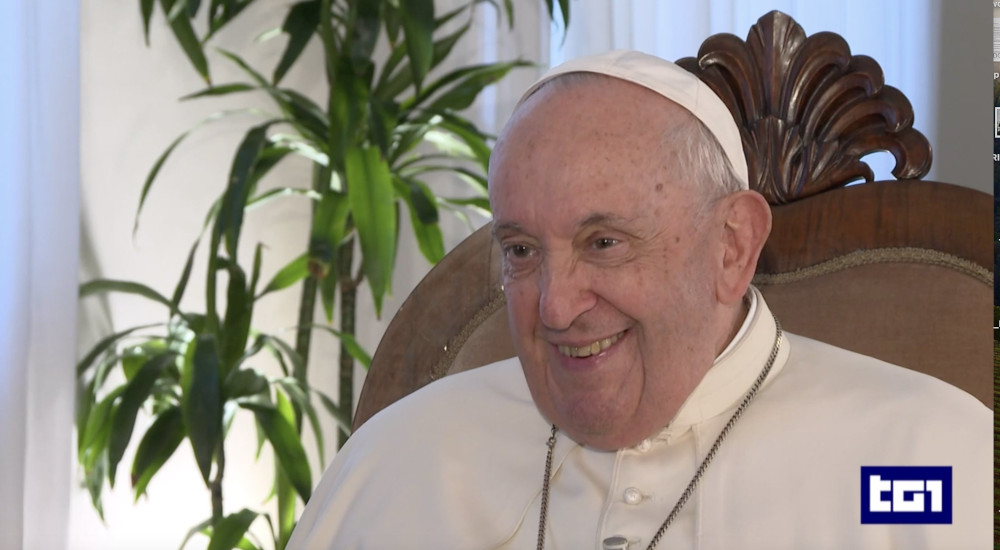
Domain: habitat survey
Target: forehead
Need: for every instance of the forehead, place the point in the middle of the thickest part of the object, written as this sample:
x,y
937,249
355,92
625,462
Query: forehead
x,y
594,145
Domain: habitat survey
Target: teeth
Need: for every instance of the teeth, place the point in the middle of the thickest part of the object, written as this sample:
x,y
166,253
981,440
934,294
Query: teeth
x,y
592,349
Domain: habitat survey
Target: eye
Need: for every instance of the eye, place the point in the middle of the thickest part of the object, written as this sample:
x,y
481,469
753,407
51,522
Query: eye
x,y
517,251
605,242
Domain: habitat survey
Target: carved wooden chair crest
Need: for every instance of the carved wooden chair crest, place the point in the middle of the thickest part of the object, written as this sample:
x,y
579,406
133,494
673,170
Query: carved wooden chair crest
x,y
900,270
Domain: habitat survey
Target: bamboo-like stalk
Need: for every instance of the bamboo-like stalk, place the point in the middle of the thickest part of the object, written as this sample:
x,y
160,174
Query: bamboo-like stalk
x,y
348,325
216,484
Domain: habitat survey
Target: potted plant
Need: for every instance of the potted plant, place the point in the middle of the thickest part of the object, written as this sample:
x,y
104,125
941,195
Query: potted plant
x,y
386,122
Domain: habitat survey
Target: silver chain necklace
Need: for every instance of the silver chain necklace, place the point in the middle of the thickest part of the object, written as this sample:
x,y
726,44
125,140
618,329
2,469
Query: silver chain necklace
x,y
551,444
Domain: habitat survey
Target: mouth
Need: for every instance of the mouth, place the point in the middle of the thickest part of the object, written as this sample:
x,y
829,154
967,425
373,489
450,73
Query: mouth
x,y
591,349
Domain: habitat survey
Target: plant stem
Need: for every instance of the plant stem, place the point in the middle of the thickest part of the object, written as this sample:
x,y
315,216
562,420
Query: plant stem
x,y
307,311
348,315
216,485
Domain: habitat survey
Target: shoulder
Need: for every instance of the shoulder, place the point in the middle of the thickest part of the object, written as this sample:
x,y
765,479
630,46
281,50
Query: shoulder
x,y
462,435
839,381
460,399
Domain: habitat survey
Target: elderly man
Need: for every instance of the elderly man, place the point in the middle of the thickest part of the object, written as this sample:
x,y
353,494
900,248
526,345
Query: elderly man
x,y
654,399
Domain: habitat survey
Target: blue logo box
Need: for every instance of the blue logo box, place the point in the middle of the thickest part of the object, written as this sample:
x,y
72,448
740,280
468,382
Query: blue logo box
x,y
906,494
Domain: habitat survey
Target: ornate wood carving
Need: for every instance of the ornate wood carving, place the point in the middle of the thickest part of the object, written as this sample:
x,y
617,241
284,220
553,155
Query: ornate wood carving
x,y
808,110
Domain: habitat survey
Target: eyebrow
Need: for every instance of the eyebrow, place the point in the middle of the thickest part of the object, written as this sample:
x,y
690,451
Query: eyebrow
x,y
598,218
504,227
602,218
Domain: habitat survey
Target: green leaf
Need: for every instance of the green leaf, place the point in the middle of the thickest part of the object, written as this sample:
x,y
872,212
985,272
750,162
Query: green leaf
x,y
105,344
135,357
393,82
383,115
230,220
449,144
424,219
307,117
128,287
287,446
343,420
148,184
244,383
123,417
175,301
146,7
93,441
286,506
362,32
470,82
392,24
509,8
300,398
283,487
301,147
220,90
200,403
417,19
179,9
350,344
471,135
480,203
254,279
423,204
236,324
446,44
86,400
564,8
156,447
203,528
293,272
230,530
299,110
328,229
348,108
282,349
328,294
300,24
218,18
188,40
279,192
369,188
94,480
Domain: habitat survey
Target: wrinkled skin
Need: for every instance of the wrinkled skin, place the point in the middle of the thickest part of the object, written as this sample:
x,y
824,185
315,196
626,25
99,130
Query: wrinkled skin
x,y
623,278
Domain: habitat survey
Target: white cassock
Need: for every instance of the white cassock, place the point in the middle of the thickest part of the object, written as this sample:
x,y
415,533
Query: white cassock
x,y
459,464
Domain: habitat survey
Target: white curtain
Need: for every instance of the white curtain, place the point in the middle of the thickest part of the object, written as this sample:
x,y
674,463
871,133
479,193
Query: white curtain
x,y
39,169
902,35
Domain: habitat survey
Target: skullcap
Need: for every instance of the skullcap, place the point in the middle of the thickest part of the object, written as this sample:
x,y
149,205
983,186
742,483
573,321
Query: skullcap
x,y
671,82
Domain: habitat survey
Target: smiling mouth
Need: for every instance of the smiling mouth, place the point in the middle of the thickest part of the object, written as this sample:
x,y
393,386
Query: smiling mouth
x,y
592,349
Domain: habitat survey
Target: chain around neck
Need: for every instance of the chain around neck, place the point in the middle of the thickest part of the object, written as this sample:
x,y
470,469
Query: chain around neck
x,y
689,490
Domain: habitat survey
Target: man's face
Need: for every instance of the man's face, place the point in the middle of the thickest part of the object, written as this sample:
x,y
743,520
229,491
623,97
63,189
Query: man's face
x,y
610,260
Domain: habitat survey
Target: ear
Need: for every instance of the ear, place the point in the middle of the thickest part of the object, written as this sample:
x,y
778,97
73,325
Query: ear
x,y
747,223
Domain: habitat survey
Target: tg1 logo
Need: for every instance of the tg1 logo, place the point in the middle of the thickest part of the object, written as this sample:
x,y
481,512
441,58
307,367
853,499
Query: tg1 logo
x,y
906,494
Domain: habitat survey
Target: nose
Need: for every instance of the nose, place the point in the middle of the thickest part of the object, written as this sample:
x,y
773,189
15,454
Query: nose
x,y
565,293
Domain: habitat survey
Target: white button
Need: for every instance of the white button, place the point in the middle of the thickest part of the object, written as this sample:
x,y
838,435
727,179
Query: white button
x,y
632,496
643,446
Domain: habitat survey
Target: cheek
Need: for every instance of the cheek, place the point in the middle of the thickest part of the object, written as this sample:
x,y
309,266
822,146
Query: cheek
x,y
522,307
